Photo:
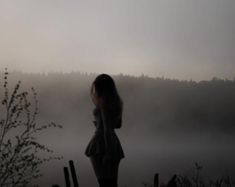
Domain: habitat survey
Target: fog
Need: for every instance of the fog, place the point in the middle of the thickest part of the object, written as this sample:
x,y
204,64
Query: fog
x,y
168,125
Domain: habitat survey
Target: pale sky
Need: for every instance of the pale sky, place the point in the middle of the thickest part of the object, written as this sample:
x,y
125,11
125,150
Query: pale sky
x,y
182,39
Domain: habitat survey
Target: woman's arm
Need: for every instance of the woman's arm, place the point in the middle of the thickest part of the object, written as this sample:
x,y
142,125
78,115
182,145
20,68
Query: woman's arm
x,y
107,122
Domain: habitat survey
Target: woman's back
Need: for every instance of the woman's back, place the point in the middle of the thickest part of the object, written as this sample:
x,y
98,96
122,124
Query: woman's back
x,y
114,121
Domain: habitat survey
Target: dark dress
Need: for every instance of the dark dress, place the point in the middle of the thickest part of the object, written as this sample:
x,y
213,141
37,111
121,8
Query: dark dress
x,y
97,142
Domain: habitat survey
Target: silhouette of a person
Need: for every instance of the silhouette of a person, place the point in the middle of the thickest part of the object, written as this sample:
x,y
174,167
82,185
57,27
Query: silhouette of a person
x,y
104,149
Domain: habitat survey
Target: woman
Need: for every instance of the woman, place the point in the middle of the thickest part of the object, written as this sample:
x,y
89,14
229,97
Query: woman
x,y
104,149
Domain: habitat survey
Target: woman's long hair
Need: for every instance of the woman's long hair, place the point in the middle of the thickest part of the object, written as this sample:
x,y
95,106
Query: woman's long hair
x,y
112,103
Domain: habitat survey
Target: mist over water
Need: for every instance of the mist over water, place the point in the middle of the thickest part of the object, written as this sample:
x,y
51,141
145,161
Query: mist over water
x,y
168,125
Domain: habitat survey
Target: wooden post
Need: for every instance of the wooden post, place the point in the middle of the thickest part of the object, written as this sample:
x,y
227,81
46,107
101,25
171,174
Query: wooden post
x,y
73,172
156,180
172,182
66,175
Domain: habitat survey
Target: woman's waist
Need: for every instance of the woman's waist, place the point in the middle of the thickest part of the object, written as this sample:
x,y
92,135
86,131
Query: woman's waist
x,y
101,130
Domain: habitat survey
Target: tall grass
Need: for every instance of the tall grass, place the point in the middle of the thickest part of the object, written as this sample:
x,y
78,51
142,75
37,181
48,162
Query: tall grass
x,y
195,180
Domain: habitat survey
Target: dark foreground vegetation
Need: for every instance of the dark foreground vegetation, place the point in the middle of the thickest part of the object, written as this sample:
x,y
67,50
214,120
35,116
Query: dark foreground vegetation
x,y
196,180
19,148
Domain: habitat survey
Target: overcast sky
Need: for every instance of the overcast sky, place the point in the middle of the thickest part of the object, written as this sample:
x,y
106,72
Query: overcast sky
x,y
183,39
